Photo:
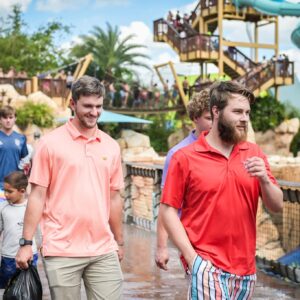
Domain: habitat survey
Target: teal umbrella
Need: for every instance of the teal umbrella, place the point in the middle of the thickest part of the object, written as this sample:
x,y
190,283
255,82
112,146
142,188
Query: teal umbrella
x,y
110,117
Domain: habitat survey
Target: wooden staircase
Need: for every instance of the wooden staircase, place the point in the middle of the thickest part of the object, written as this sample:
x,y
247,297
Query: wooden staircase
x,y
201,47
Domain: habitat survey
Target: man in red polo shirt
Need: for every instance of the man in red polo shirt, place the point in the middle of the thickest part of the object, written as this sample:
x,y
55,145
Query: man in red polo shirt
x,y
217,181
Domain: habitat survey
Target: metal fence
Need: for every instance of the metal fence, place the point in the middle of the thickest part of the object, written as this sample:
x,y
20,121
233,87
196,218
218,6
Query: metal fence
x,y
278,235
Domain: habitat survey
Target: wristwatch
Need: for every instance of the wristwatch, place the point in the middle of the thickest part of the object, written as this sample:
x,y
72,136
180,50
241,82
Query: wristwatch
x,y
23,242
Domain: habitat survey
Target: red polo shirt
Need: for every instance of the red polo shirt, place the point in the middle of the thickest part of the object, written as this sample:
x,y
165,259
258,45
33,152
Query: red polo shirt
x,y
219,201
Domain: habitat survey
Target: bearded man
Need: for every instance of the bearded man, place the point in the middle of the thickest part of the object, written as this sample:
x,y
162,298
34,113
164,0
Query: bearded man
x,y
216,182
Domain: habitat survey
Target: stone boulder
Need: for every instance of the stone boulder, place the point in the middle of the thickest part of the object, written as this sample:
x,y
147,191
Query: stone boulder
x,y
11,96
136,147
278,141
39,97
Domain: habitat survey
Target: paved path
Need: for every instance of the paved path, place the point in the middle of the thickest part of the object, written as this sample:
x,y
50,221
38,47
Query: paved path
x,y
143,280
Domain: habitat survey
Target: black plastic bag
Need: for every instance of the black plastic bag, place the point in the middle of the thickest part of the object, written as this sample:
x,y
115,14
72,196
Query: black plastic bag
x,y
24,285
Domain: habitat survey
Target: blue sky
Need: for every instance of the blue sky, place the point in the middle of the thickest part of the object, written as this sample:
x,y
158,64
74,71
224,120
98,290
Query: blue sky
x,y
83,14
136,16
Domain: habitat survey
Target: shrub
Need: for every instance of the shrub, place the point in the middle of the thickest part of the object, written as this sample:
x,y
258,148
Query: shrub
x,y
39,114
267,113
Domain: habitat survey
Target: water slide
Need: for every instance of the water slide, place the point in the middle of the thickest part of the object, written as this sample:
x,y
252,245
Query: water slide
x,y
276,7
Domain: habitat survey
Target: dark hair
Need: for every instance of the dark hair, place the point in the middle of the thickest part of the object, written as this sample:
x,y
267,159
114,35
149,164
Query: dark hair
x,y
87,86
198,104
7,111
17,180
220,92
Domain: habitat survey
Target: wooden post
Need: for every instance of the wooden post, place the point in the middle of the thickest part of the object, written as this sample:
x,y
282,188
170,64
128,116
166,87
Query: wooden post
x,y
127,216
156,196
35,84
276,36
256,41
220,26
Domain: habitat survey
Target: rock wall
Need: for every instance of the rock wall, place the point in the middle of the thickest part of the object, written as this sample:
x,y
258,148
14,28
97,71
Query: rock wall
x,y
135,147
278,141
141,195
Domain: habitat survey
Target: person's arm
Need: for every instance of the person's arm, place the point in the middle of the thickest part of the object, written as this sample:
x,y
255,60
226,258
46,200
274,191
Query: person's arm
x,y
32,217
177,233
272,195
162,253
116,220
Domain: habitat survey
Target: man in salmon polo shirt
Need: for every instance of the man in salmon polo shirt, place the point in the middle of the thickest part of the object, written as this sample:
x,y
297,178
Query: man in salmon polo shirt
x,y
76,178
216,181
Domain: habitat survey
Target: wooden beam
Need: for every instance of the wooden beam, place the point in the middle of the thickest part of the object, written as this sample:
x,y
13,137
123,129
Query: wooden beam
x,y
248,45
220,27
80,71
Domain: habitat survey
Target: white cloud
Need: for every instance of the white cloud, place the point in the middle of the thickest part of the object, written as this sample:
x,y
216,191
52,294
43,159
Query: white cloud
x,y
6,5
58,5
62,5
111,2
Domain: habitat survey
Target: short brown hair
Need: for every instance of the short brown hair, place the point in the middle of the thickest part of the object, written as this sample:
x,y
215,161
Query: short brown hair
x,y
198,104
87,86
17,180
7,111
221,91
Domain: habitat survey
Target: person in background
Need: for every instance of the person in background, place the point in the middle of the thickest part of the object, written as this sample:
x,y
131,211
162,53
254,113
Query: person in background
x,y
11,224
69,80
198,111
216,182
12,144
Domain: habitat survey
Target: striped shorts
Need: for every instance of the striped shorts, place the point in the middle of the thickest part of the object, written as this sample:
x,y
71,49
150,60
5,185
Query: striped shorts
x,y
211,283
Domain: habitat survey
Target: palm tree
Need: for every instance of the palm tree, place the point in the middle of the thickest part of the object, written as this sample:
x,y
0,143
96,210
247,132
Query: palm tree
x,y
114,56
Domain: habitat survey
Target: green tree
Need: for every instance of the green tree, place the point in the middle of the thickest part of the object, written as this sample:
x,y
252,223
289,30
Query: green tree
x,y
267,113
113,55
34,53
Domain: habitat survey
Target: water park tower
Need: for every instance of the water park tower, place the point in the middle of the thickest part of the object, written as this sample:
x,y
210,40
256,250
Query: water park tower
x,y
201,39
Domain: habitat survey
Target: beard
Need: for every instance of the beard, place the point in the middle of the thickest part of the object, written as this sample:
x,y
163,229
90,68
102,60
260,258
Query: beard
x,y
228,132
84,120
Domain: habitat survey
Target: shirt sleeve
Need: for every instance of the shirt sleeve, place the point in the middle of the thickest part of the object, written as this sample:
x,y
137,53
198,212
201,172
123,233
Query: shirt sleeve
x,y
116,178
166,167
174,189
24,150
41,166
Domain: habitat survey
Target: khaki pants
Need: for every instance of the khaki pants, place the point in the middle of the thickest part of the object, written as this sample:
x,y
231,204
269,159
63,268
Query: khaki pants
x,y
102,277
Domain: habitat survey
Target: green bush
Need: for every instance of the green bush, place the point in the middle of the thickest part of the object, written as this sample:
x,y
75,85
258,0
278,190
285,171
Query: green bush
x,y
295,145
158,133
39,114
267,113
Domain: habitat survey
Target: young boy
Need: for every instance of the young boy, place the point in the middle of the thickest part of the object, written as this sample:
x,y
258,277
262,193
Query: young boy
x,y
11,224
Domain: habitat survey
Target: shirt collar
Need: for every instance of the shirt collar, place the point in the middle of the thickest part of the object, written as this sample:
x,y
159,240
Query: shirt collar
x,y
75,133
201,144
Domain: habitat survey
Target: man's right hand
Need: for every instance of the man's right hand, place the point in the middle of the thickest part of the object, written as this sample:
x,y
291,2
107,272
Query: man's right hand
x,y
23,256
162,257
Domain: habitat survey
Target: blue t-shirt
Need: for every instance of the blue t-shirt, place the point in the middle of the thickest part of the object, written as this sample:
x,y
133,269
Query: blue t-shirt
x,y
12,148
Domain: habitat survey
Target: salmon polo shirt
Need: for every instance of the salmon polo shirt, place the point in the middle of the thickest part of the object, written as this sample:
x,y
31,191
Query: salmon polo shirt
x,y
79,174
219,202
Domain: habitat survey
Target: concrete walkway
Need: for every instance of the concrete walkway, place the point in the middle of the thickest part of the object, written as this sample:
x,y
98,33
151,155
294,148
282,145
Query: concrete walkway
x,y
143,280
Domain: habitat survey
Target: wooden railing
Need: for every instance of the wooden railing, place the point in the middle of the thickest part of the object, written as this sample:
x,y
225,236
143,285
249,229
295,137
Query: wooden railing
x,y
199,42
22,85
261,74
240,58
26,86
53,87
